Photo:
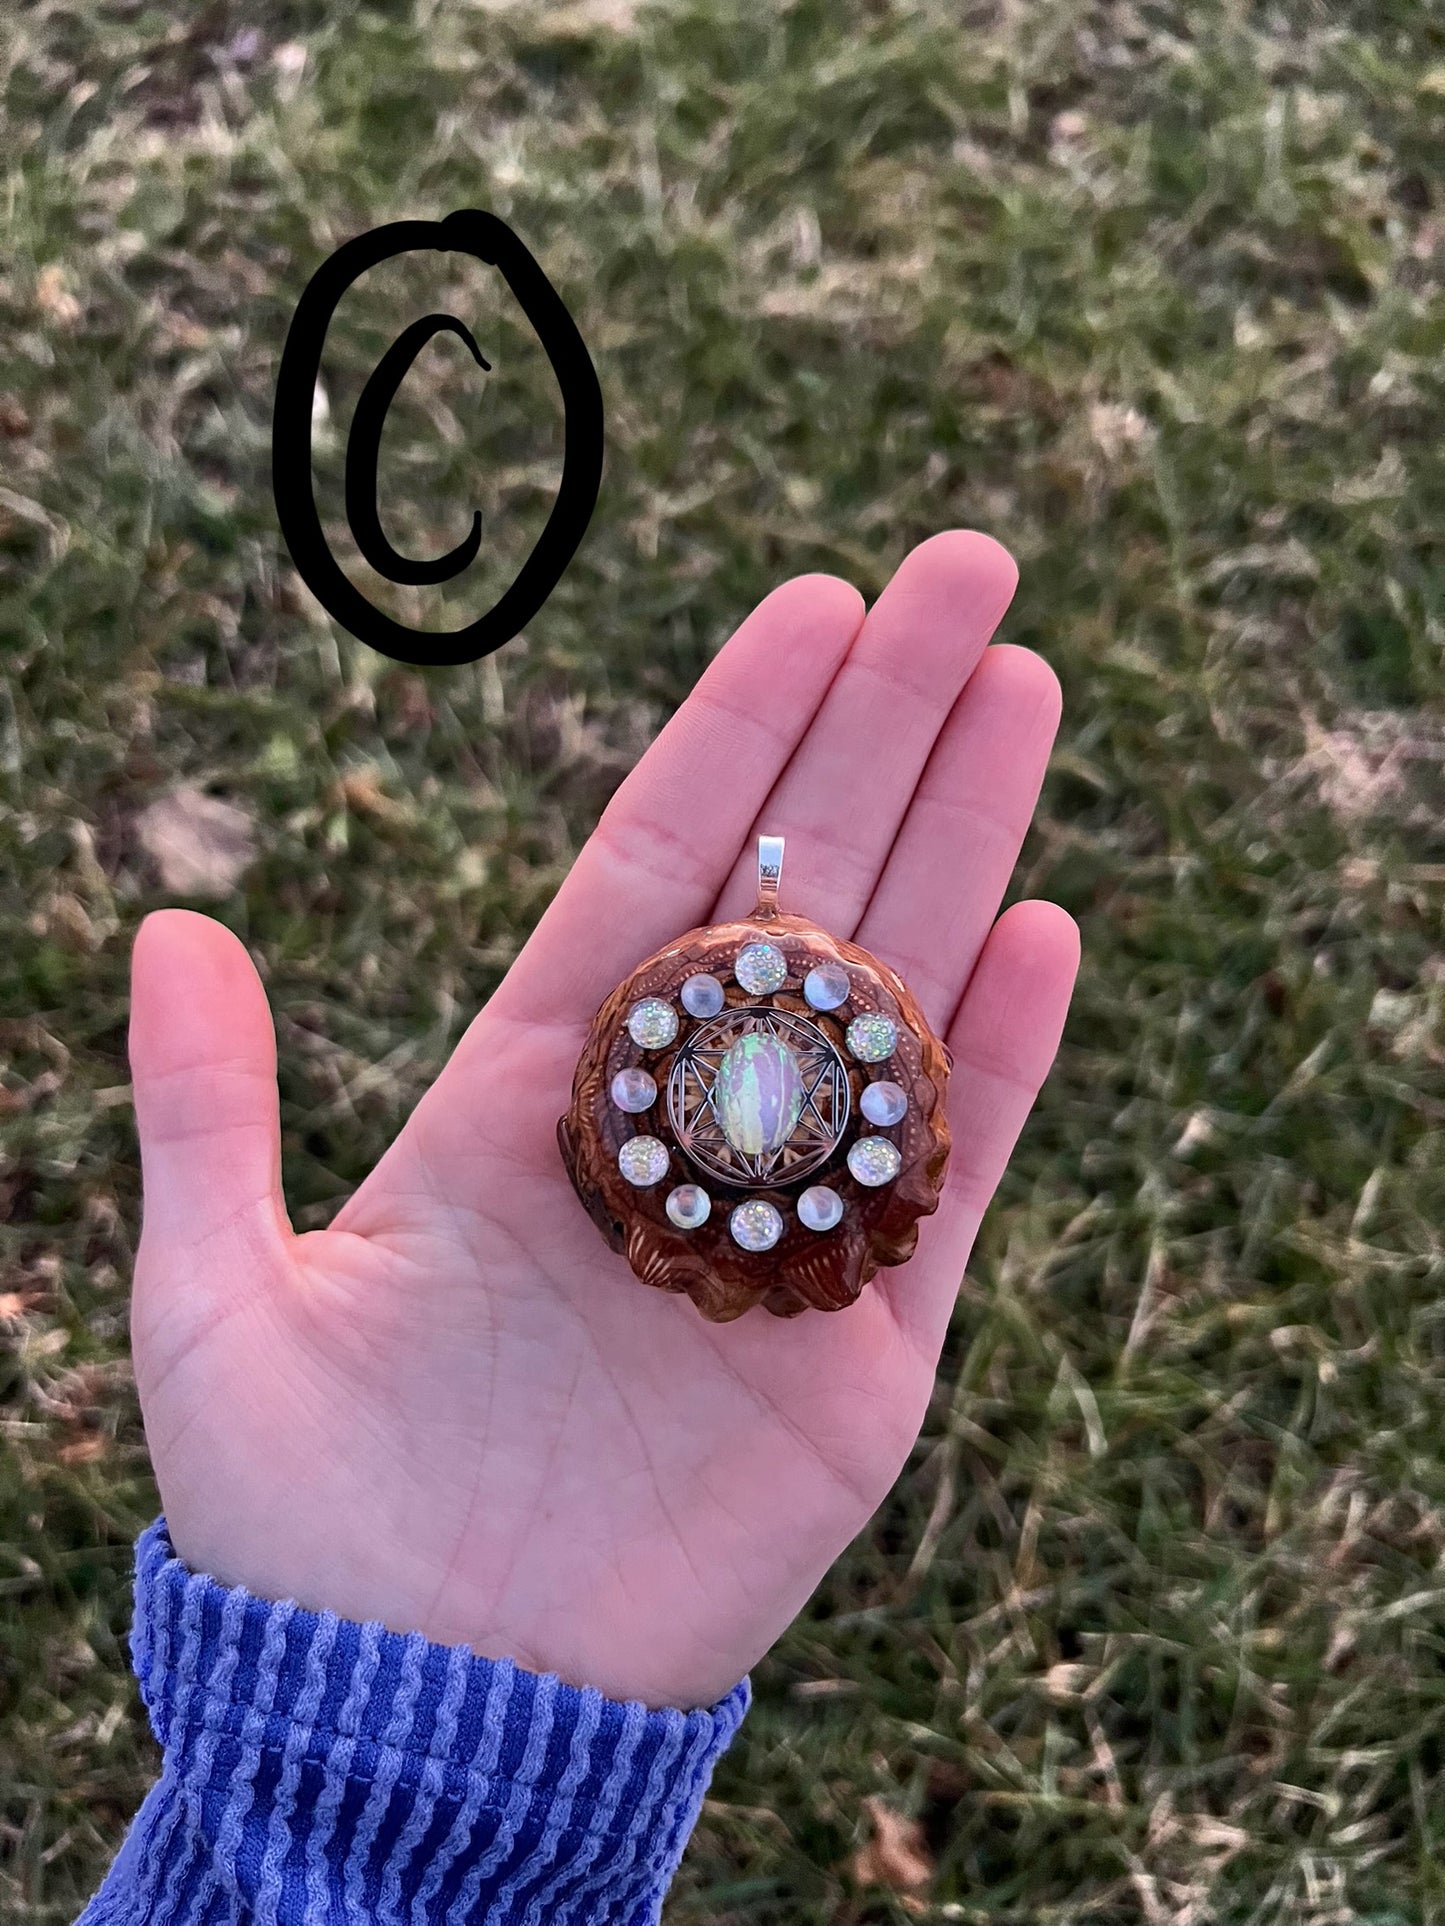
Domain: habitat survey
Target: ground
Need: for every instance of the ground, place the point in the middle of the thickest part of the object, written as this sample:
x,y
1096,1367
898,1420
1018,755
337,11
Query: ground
x,y
1150,1630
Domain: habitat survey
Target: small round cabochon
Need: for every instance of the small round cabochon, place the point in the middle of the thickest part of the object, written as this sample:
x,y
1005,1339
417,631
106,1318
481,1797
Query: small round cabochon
x,y
883,1103
633,1090
652,1024
702,995
826,986
761,968
874,1161
872,1038
643,1161
756,1225
689,1206
819,1208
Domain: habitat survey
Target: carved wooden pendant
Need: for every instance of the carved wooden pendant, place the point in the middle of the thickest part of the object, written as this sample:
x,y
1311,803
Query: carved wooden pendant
x,y
758,1116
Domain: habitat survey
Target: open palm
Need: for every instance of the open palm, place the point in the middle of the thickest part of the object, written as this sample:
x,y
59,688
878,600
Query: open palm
x,y
455,1410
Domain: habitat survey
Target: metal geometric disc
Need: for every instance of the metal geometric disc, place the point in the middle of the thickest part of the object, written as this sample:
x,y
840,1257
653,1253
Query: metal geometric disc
x,y
821,1122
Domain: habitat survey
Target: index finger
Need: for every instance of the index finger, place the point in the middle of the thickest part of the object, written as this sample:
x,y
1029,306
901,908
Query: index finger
x,y
665,843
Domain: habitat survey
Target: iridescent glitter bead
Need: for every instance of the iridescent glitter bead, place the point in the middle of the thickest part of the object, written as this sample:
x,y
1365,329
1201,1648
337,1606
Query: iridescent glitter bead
x,y
633,1090
643,1161
826,987
883,1103
755,1225
872,1038
688,1206
761,968
702,995
819,1208
874,1161
652,1024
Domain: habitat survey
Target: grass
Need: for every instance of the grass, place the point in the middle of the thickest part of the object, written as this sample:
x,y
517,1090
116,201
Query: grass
x,y
1151,1629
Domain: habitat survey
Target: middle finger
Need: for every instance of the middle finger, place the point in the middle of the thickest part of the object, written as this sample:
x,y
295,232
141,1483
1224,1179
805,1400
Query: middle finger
x,y
847,787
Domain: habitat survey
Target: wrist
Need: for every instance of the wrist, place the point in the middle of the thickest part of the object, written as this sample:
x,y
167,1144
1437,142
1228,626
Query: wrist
x,y
375,1577
307,1754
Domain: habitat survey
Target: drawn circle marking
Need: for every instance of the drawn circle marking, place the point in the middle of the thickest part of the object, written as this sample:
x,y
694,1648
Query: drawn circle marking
x,y
489,240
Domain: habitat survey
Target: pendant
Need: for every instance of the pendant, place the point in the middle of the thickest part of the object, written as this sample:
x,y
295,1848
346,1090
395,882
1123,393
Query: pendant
x,y
757,1115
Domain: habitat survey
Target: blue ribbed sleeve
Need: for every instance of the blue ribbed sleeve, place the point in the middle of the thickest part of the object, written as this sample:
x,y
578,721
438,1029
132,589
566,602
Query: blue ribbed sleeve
x,y
322,1771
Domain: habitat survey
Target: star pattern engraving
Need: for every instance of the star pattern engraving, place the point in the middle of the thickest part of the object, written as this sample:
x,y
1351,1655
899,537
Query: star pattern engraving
x,y
821,1120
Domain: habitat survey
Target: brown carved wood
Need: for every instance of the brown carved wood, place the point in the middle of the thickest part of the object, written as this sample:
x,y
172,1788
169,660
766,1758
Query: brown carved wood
x,y
825,1270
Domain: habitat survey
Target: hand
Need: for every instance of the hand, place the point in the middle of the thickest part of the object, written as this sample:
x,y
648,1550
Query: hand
x,y
456,1410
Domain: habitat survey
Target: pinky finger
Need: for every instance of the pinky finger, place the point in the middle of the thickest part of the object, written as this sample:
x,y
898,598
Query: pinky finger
x,y
1004,1038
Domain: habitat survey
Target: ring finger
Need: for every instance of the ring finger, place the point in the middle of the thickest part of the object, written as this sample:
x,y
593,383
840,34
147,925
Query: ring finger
x,y
953,857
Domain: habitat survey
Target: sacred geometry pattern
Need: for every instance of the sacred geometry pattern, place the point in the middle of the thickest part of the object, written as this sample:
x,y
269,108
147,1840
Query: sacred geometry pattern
x,y
692,1109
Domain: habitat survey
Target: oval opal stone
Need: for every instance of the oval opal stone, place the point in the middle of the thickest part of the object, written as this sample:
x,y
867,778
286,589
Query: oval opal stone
x,y
757,1094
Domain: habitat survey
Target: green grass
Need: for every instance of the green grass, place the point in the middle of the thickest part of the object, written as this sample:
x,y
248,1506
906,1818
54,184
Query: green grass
x,y
1151,1629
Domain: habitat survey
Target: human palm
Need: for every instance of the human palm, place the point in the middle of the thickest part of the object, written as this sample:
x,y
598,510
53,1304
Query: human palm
x,y
455,1410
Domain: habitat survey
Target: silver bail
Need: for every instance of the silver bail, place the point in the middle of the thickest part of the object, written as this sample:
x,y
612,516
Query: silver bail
x,y
770,868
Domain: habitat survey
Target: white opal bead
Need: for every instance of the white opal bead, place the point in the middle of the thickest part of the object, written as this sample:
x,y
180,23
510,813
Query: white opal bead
x,y
826,987
883,1103
819,1208
688,1206
702,995
633,1090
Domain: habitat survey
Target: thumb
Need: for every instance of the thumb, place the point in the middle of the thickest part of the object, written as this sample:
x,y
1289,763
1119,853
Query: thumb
x,y
203,1074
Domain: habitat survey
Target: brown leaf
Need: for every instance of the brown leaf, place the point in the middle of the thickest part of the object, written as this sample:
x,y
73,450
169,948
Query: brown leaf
x,y
896,1855
66,921
361,790
1065,1682
948,1781
584,16
53,297
199,844
84,1451
411,703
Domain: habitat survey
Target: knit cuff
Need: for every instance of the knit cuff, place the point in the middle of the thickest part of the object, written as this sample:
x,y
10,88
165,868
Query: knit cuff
x,y
323,1769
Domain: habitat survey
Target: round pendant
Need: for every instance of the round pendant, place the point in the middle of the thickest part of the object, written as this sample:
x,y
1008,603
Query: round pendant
x,y
788,1087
